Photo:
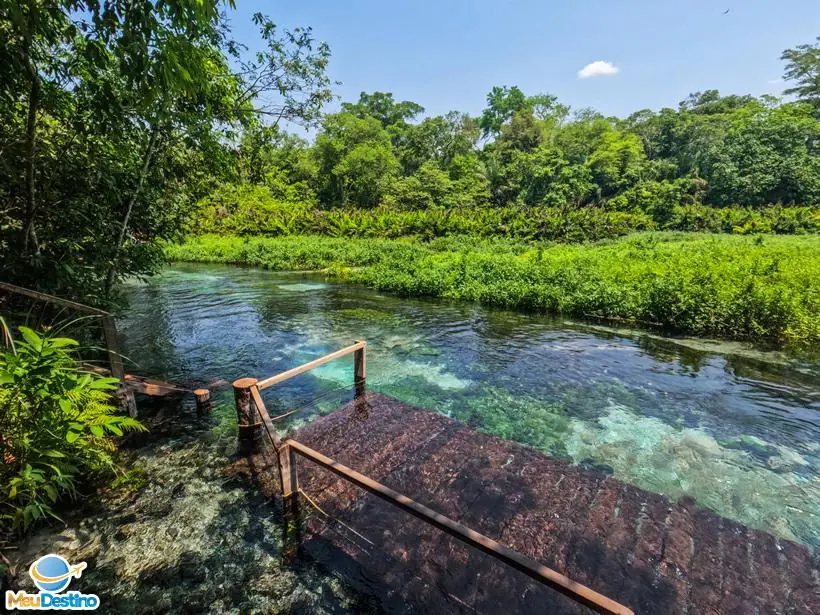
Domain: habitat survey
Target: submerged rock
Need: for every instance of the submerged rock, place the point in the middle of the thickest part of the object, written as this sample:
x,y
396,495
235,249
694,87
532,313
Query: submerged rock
x,y
193,540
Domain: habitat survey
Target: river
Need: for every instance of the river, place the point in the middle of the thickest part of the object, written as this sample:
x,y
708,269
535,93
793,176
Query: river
x,y
732,428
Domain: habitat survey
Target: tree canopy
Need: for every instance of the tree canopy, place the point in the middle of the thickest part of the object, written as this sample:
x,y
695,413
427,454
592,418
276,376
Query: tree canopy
x,y
116,117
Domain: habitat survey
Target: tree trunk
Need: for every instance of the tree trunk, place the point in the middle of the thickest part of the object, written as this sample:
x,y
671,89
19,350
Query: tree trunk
x,y
29,232
146,164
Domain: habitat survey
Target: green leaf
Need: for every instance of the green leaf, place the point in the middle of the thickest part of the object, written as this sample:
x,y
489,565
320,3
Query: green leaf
x,y
65,405
114,429
106,384
97,431
32,338
72,436
51,491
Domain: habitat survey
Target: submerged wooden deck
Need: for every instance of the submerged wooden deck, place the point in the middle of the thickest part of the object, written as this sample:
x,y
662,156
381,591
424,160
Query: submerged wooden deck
x,y
636,547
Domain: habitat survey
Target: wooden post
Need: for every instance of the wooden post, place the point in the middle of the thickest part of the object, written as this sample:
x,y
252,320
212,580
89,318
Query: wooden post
x,y
249,427
203,401
245,411
287,471
290,502
360,369
292,538
112,345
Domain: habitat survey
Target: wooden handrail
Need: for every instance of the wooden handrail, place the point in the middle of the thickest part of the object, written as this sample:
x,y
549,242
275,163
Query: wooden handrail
x,y
269,382
574,590
109,327
263,414
86,309
288,449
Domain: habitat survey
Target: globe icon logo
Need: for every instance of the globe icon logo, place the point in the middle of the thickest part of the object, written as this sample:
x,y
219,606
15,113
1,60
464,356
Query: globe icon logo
x,y
52,573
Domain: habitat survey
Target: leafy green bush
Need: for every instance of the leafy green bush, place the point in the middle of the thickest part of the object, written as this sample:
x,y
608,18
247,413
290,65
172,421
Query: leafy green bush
x,y
56,423
743,220
428,205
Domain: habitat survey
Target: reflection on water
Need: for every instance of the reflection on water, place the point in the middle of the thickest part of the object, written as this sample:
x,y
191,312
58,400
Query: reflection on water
x,y
734,429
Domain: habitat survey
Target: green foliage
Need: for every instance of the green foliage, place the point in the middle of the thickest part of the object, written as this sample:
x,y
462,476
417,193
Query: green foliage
x,y
410,209
715,285
355,160
116,118
803,67
716,151
382,107
56,424
618,162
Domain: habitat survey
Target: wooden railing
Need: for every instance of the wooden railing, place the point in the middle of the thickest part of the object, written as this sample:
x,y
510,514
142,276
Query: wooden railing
x,y
250,406
358,349
109,328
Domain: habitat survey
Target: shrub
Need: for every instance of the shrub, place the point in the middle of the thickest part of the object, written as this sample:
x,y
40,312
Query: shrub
x,y
56,423
428,205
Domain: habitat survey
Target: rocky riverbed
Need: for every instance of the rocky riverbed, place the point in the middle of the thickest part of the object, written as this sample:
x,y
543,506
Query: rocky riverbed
x,y
192,540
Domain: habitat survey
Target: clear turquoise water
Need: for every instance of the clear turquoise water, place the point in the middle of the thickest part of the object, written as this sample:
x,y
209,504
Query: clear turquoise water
x,y
735,429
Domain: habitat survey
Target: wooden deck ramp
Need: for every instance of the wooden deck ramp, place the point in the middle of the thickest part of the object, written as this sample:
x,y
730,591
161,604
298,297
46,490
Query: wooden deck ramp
x,y
431,516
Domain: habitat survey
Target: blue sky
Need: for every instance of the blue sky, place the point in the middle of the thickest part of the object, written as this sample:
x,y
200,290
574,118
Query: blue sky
x,y
447,54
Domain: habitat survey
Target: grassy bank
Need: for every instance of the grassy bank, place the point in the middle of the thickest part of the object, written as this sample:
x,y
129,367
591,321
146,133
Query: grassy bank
x,y
762,288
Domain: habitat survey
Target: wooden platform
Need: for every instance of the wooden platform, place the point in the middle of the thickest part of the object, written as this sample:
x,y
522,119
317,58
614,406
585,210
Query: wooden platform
x,y
636,547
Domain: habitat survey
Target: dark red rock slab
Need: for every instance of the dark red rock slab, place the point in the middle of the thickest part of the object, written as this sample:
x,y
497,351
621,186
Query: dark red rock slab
x,y
636,547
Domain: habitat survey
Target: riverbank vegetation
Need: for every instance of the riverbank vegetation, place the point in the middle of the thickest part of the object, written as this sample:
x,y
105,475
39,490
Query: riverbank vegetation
x,y
529,167
57,424
762,288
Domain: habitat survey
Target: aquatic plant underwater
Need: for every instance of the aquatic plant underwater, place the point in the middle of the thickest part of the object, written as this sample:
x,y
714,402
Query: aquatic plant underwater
x,y
191,539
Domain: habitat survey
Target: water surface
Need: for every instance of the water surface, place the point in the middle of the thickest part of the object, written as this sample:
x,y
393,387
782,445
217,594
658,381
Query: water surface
x,y
734,429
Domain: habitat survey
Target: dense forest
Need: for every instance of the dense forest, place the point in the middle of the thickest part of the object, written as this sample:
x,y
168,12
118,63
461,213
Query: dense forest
x,y
530,167
124,128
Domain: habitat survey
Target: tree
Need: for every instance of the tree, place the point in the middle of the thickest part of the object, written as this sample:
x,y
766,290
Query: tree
x,y
439,139
803,68
355,160
767,156
381,106
116,119
618,162
288,80
502,104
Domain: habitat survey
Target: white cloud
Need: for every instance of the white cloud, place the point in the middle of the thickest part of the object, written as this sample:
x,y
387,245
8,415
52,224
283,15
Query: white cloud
x,y
599,68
